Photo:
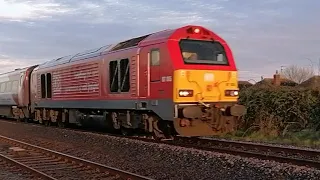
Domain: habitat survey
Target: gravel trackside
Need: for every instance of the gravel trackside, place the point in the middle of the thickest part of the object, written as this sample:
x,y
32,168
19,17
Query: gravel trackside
x,y
10,172
157,161
7,175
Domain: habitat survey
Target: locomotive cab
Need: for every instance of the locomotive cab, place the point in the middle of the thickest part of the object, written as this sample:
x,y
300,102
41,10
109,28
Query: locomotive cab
x,y
205,84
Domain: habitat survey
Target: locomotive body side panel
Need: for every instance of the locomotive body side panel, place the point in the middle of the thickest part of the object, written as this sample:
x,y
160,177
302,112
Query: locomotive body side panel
x,y
120,77
85,84
80,81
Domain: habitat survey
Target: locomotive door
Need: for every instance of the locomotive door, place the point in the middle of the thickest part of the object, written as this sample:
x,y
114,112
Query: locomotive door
x,y
149,71
154,65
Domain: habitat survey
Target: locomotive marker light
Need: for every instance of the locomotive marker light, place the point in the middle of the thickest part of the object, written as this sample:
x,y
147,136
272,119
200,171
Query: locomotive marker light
x,y
196,30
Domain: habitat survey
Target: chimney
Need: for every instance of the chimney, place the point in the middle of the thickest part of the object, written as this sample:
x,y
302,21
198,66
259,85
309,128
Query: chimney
x,y
276,79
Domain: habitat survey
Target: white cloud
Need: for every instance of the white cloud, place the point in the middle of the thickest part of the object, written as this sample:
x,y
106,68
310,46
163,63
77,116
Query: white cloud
x,y
137,12
8,63
27,10
115,11
173,18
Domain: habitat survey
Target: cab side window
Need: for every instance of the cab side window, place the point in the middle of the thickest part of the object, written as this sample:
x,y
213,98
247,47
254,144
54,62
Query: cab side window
x,y
155,58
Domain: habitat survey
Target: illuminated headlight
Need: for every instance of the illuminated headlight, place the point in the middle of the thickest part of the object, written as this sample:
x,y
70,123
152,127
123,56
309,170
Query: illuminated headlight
x,y
235,93
231,93
185,93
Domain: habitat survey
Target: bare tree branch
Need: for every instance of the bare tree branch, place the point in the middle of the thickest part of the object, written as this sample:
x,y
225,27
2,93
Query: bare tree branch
x,y
298,74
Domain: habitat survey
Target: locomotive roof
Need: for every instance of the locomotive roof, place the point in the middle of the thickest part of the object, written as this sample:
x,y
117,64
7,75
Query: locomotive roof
x,y
74,57
107,48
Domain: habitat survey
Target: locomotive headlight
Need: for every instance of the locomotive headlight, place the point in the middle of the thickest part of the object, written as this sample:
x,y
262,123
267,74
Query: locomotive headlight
x,y
235,93
231,93
185,93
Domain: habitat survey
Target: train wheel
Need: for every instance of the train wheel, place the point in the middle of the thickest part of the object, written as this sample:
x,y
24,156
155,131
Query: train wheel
x,y
61,124
126,131
231,125
27,120
47,123
168,129
157,133
115,121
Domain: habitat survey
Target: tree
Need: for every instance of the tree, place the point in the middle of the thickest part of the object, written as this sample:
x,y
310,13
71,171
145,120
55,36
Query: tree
x,y
298,74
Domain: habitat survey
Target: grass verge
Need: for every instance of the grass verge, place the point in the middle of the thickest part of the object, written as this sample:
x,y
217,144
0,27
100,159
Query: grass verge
x,y
305,138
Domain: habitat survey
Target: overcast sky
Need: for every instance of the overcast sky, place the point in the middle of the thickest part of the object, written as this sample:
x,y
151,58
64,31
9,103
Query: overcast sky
x,y
263,34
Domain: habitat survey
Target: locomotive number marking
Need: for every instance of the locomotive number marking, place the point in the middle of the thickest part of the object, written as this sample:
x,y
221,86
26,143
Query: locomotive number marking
x,y
166,78
208,77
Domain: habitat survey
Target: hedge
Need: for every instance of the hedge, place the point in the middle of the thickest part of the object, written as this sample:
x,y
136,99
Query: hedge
x,y
283,108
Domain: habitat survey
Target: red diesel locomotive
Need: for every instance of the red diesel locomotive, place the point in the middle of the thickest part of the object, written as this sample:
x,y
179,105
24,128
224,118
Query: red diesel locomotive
x,y
182,81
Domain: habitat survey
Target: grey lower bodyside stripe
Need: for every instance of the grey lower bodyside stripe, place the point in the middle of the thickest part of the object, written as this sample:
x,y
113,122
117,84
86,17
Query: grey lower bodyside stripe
x,y
164,108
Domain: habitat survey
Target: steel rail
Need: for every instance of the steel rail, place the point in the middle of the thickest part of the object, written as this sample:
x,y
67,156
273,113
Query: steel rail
x,y
67,158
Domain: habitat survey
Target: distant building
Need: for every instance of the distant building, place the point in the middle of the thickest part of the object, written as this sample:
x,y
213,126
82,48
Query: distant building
x,y
277,80
313,82
244,84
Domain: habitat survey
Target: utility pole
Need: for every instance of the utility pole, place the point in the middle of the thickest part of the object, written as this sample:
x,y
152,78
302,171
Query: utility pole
x,y
282,67
318,67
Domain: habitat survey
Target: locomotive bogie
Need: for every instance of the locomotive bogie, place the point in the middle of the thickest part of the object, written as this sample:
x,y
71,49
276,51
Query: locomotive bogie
x,y
111,120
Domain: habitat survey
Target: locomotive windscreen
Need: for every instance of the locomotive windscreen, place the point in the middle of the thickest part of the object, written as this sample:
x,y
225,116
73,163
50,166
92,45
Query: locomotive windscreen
x,y
203,52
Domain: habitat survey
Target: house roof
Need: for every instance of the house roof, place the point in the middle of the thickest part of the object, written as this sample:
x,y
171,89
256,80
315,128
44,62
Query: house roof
x,y
313,82
244,83
269,81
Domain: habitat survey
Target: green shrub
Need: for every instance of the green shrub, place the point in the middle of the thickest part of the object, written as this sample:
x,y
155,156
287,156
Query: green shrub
x,y
280,109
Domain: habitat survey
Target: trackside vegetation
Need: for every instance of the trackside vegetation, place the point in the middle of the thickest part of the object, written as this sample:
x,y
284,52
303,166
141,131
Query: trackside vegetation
x,y
287,115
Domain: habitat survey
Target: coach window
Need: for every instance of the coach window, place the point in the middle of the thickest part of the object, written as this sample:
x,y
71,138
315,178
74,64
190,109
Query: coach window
x,y
9,86
49,85
124,75
155,58
15,85
3,87
113,76
43,86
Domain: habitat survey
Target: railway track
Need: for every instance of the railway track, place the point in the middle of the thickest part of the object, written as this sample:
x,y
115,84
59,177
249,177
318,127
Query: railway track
x,y
282,154
291,155
10,171
47,164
